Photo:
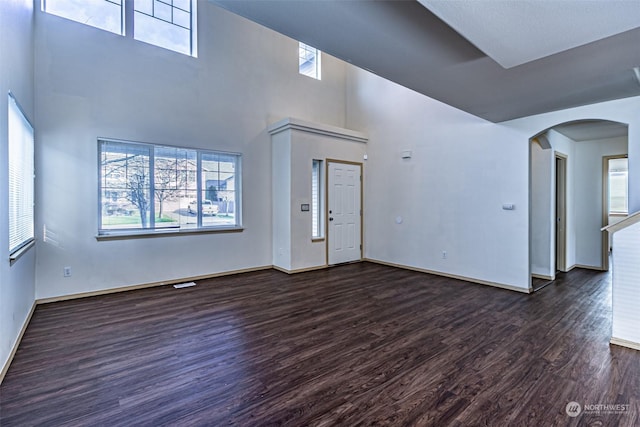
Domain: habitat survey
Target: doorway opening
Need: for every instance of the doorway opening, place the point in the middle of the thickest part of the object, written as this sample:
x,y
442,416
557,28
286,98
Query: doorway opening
x,y
561,213
569,196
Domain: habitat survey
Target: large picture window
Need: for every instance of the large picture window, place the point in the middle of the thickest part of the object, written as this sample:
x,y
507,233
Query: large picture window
x,y
147,187
21,178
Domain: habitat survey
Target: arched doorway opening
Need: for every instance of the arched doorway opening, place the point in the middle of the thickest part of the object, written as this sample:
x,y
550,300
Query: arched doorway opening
x,y
570,195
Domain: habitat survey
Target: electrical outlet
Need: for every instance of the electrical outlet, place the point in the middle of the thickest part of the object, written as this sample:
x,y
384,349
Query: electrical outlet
x,y
66,271
444,254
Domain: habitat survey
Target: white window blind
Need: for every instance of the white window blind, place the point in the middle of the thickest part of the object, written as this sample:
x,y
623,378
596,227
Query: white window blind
x,y
21,178
316,199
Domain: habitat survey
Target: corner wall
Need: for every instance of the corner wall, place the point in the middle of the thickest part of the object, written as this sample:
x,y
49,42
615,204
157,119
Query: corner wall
x,y
17,281
448,196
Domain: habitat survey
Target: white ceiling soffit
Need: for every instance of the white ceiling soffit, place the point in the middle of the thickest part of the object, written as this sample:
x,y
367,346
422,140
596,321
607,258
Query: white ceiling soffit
x,y
514,32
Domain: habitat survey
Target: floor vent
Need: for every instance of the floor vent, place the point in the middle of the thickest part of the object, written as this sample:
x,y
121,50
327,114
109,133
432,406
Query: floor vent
x,y
184,285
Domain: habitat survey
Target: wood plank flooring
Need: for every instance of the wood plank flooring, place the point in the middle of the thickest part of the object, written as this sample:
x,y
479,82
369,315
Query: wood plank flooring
x,y
360,344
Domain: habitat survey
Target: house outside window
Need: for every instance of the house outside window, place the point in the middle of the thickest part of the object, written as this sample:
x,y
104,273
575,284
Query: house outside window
x,y
148,188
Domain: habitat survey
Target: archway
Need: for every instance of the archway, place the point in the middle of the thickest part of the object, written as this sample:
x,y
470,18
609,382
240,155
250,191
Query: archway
x,y
563,239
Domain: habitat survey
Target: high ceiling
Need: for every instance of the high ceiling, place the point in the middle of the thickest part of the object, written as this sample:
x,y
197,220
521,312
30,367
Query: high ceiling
x,y
405,42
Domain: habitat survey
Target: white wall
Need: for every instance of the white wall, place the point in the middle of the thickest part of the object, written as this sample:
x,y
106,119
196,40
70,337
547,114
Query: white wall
x,y
588,196
542,190
450,193
92,84
17,281
281,200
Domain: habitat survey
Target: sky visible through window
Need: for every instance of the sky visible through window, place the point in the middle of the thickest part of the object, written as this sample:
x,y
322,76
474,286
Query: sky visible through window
x,y
103,14
164,23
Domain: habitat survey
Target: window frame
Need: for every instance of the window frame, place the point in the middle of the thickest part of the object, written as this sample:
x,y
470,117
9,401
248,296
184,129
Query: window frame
x,y
317,72
122,5
26,173
128,22
152,230
620,173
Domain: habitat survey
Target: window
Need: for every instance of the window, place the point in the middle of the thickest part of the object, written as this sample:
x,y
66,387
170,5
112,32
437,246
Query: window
x,y
104,14
21,178
317,226
166,23
170,24
618,186
309,61
146,187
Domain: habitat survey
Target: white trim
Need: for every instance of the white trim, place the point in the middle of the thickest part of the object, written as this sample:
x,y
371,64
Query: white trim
x,y
16,344
453,276
320,129
588,267
625,343
150,285
543,277
628,221
301,270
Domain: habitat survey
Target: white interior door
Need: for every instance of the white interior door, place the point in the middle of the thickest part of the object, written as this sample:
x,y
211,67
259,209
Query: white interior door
x,y
344,212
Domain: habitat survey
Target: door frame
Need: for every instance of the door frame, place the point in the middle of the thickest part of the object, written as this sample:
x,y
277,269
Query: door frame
x,y
560,237
326,205
605,207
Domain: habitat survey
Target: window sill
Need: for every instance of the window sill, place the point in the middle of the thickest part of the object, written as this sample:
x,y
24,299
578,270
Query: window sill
x,y
19,252
620,214
165,233
317,239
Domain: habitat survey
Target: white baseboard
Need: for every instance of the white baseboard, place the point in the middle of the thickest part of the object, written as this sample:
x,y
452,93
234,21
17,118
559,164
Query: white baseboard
x,y
300,270
588,267
625,343
149,285
452,276
12,353
543,277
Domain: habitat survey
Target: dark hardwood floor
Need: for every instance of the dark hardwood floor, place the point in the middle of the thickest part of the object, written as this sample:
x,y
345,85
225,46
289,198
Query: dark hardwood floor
x,y
360,344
